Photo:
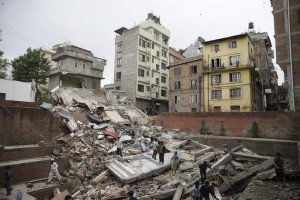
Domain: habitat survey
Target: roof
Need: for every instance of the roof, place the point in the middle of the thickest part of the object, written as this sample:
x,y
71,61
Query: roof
x,y
121,30
185,61
226,38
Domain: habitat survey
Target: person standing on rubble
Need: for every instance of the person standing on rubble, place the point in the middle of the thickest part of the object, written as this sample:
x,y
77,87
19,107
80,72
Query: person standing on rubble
x,y
174,163
161,152
203,167
205,190
195,193
278,163
155,145
54,171
8,180
119,147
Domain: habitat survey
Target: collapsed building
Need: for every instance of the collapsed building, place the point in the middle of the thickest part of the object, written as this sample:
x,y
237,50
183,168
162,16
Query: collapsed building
x,y
94,119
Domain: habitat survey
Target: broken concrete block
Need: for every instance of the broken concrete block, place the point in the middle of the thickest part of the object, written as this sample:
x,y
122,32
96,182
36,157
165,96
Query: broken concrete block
x,y
72,125
56,152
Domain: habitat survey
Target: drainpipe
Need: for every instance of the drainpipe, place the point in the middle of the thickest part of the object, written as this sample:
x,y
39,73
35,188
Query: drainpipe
x,y
292,107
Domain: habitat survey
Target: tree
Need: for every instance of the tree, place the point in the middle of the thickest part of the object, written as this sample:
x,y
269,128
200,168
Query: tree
x,y
32,65
3,65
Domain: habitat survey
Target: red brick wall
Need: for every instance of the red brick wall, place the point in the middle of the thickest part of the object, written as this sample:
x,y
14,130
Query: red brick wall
x,y
30,152
25,125
276,125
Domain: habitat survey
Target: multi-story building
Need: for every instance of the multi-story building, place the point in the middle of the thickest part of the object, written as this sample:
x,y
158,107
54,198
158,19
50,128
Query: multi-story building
x,y
186,92
76,67
141,60
230,82
287,36
263,55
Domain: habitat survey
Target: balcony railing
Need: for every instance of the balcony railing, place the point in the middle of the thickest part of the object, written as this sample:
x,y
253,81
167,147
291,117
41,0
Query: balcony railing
x,y
209,68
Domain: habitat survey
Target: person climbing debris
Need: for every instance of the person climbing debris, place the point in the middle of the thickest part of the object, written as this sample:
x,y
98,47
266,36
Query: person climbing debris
x,y
207,189
155,144
174,163
54,171
279,170
203,167
8,180
195,193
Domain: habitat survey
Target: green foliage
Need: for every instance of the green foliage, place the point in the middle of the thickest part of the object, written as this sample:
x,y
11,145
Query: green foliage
x,y
203,129
3,65
222,129
43,95
32,65
255,131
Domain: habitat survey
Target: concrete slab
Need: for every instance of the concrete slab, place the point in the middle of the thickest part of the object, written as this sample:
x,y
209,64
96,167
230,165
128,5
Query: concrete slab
x,y
115,117
139,167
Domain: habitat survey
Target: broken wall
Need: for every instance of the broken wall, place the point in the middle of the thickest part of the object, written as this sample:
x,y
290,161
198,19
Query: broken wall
x,y
26,125
276,125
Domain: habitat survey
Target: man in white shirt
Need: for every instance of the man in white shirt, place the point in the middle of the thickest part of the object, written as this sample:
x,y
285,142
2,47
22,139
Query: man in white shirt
x,y
155,143
54,171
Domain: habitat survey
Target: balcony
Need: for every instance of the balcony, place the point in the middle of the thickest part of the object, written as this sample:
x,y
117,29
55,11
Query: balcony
x,y
208,68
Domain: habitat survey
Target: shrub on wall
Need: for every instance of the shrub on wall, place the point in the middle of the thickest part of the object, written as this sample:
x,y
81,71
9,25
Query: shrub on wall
x,y
255,130
222,129
203,129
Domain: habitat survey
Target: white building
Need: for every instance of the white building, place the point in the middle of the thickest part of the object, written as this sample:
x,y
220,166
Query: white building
x,y
17,90
141,60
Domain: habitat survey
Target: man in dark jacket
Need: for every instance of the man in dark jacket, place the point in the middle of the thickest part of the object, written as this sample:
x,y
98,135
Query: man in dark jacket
x,y
8,180
203,167
205,190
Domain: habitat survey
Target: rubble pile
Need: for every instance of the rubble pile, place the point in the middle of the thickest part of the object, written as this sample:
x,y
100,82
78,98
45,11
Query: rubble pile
x,y
97,119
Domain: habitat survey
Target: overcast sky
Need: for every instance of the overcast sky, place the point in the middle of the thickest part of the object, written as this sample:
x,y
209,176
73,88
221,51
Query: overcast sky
x,y
90,24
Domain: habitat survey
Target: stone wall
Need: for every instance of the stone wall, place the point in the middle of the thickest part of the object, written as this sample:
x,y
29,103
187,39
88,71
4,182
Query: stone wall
x,y
27,124
275,125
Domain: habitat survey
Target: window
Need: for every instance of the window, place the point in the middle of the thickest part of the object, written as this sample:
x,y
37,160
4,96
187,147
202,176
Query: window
x,y
177,85
165,40
163,66
119,48
156,36
216,62
148,88
157,95
142,43
193,69
141,72
235,93
217,109
157,66
118,76
164,53
193,109
163,79
152,45
140,88
83,66
157,53
152,59
76,64
216,94
148,58
215,79
215,48
119,61
194,98
193,84
177,71
152,73
163,93
232,45
147,73
235,108
235,77
157,80
142,57
234,60
2,96
177,99
118,88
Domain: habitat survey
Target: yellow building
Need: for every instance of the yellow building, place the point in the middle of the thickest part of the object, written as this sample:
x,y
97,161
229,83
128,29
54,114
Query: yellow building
x,y
229,76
